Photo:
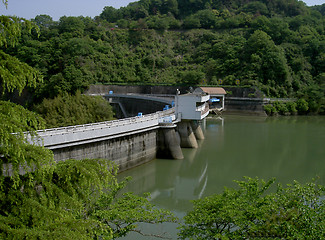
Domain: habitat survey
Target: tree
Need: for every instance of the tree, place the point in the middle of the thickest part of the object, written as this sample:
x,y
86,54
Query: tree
x,y
268,59
71,26
109,14
192,22
41,199
75,200
255,7
69,110
250,212
169,6
207,18
302,106
16,153
13,73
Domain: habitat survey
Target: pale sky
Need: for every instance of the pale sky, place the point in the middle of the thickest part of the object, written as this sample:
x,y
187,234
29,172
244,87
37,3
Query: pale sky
x,y
57,8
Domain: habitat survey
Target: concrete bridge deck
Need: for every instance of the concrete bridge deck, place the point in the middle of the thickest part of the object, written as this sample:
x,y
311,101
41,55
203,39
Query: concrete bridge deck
x,y
82,134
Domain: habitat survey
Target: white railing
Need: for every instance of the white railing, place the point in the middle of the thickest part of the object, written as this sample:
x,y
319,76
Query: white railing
x,y
73,135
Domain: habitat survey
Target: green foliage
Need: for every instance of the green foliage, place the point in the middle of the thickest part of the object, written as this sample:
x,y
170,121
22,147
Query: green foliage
x,y
77,199
12,28
276,46
250,212
17,154
68,110
13,73
292,107
18,126
16,75
41,199
270,109
302,106
281,107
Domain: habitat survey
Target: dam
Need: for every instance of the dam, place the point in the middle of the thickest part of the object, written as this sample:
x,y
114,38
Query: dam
x,y
153,126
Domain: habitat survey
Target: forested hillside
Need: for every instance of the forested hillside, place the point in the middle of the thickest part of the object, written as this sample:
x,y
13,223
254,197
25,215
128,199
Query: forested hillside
x,y
277,46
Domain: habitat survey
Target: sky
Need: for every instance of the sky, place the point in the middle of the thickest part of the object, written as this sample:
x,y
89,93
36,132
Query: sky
x,y
57,8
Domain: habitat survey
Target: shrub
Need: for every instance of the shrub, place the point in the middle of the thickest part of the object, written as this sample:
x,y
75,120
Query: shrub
x,y
68,110
251,212
281,108
302,106
292,107
268,109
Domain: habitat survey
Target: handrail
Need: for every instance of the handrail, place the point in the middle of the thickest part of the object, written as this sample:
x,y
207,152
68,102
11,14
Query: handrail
x,y
105,124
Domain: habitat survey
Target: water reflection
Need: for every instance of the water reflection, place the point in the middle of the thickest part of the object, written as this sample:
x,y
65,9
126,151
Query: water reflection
x,y
172,183
287,148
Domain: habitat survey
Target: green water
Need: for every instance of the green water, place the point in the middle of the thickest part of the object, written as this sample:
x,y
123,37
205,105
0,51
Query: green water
x,y
287,148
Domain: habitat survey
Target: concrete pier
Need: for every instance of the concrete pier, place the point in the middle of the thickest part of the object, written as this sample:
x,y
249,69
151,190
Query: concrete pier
x,y
169,143
196,127
188,139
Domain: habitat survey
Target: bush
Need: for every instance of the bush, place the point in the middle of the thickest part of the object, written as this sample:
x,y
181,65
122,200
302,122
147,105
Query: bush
x,y
250,212
269,109
68,110
281,108
302,106
292,107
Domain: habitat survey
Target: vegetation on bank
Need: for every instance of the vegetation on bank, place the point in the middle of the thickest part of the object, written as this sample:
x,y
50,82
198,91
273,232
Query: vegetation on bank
x,y
287,108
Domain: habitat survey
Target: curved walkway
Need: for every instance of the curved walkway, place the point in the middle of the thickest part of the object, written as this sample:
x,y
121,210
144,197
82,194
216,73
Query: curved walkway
x,y
80,134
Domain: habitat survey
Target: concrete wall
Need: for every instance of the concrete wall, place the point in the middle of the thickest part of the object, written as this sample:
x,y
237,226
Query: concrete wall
x,y
244,100
251,106
126,152
133,106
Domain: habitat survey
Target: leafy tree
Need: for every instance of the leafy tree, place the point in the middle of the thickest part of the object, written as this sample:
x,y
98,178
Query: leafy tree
x,y
255,7
68,110
13,73
41,199
272,63
43,21
192,77
292,107
250,212
191,22
75,200
170,6
71,26
207,18
302,106
109,14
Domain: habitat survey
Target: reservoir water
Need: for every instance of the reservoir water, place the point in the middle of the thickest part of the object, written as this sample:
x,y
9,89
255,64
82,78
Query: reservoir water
x,y
287,148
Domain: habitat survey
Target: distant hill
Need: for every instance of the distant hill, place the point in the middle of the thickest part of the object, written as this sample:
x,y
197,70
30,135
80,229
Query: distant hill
x,y
277,46
181,9
319,8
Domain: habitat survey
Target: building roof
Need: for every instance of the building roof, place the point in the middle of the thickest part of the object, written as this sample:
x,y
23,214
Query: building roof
x,y
211,90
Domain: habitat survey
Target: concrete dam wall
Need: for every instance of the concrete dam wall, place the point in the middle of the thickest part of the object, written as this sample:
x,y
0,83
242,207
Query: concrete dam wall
x,y
127,152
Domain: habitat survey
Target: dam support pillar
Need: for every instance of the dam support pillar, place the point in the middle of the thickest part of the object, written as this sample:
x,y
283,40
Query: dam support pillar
x,y
197,130
169,142
187,136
